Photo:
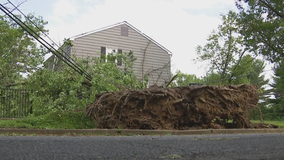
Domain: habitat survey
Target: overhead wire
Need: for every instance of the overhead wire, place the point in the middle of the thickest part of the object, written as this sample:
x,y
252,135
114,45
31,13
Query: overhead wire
x,y
17,5
64,57
16,8
36,36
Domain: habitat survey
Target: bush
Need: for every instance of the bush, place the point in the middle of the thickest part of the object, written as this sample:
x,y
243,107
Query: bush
x,y
65,89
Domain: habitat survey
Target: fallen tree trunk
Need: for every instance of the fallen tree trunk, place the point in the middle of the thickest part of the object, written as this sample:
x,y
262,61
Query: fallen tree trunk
x,y
175,108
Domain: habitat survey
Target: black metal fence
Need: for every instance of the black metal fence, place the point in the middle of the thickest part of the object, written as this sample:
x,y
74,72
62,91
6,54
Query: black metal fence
x,y
15,103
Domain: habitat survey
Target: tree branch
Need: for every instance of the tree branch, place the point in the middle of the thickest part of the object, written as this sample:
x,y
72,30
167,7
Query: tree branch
x,y
172,79
144,57
266,3
239,60
157,69
228,54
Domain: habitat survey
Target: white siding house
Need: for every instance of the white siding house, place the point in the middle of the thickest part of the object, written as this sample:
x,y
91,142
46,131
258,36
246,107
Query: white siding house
x,y
152,59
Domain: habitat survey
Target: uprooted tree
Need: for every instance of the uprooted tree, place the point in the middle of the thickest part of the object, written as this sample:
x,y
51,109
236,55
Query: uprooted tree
x,y
176,108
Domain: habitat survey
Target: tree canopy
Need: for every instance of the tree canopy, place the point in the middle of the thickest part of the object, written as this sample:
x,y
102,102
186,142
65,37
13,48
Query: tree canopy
x,y
230,60
19,52
262,25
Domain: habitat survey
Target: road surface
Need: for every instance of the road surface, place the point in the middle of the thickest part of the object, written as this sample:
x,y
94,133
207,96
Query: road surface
x,y
197,147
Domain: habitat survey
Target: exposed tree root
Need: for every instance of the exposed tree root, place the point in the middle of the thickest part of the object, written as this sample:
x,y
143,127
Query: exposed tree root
x,y
176,108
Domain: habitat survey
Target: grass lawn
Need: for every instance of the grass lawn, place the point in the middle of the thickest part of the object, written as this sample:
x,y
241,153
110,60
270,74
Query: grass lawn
x,y
54,120
70,120
277,123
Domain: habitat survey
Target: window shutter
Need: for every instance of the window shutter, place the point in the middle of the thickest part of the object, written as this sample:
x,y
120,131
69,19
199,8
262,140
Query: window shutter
x,y
103,54
119,59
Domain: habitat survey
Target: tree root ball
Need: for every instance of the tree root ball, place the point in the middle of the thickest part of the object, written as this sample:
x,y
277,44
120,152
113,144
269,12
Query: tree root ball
x,y
199,107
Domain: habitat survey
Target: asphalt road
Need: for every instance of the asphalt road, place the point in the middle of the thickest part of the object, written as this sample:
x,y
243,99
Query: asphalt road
x,y
197,147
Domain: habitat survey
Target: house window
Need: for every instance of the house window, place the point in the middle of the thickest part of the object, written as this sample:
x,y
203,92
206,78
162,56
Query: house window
x,y
103,54
119,59
124,31
108,55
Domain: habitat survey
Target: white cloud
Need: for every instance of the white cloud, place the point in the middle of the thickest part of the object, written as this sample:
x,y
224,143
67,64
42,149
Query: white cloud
x,y
202,4
163,20
87,1
63,8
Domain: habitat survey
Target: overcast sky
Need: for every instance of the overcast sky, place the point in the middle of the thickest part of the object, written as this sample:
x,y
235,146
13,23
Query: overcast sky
x,y
178,25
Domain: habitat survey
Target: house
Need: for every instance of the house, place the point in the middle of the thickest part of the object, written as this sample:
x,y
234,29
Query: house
x,y
152,59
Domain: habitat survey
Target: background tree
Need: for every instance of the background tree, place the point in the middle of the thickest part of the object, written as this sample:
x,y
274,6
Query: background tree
x,y
224,47
183,79
230,61
19,52
248,71
277,100
262,25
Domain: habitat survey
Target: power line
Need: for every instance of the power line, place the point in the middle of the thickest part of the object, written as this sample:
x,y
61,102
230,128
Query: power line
x,y
17,5
16,8
64,57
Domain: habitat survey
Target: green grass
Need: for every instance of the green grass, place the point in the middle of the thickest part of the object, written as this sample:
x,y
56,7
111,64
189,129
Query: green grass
x,y
277,123
54,120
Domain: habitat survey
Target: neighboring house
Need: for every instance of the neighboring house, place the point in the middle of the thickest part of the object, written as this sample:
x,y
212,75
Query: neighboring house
x,y
152,59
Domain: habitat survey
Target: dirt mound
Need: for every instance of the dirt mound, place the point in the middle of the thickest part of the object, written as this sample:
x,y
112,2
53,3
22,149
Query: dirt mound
x,y
176,108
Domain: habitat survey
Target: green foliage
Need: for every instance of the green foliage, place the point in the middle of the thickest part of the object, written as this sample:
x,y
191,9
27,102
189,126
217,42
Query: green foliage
x,y
230,61
19,52
14,103
53,120
277,101
183,79
107,76
224,46
55,90
262,26
63,90
248,71
279,123
214,79
67,90
278,79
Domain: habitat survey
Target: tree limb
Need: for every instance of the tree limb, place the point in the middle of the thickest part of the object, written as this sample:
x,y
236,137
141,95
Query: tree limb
x,y
235,67
172,79
228,55
144,57
266,3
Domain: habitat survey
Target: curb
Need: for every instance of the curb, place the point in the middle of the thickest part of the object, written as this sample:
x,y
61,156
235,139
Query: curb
x,y
105,132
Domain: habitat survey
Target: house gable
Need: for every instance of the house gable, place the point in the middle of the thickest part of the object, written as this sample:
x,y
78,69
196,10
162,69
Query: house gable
x,y
152,58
